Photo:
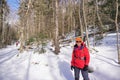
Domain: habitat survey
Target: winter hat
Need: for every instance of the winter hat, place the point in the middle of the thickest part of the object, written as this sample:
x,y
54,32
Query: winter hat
x,y
78,39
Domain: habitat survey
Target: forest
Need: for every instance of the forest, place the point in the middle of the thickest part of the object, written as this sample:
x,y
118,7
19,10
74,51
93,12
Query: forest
x,y
42,21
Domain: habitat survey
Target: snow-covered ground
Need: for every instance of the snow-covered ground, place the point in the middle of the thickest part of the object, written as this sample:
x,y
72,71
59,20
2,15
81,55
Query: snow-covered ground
x,y
33,66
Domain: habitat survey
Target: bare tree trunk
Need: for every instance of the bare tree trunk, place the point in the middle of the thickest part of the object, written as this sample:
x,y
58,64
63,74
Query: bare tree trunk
x,y
27,28
94,33
69,16
71,20
63,17
4,12
74,25
57,48
24,27
117,31
22,39
99,18
3,26
94,19
84,16
80,21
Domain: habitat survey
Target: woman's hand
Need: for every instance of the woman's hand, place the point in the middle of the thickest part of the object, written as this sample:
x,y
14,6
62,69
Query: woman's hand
x,y
72,67
85,68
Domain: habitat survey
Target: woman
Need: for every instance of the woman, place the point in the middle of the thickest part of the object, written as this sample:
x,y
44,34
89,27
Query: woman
x,y
80,59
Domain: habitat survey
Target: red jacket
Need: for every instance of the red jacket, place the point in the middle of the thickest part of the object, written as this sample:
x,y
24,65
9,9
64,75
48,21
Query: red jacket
x,y
80,56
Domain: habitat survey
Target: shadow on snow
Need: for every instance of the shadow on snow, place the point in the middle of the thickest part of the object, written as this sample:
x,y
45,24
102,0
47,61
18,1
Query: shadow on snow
x,y
65,70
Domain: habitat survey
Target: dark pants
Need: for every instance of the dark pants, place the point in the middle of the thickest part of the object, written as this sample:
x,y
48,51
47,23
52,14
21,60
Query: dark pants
x,y
84,74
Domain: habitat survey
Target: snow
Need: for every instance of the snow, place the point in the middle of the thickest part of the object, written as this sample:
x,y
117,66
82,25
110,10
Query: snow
x,y
48,66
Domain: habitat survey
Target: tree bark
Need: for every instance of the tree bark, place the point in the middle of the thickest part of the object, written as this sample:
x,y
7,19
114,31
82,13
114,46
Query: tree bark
x,y
99,18
63,17
3,25
80,21
57,48
85,22
117,31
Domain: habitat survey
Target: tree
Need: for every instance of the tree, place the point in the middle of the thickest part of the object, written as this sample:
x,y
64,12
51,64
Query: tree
x,y
117,31
57,49
24,13
4,10
99,18
85,22
80,19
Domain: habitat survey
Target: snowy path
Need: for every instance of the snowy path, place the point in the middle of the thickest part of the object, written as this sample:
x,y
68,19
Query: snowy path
x,y
7,53
11,66
30,66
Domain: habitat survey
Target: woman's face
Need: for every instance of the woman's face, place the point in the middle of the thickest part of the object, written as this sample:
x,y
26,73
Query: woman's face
x,y
78,43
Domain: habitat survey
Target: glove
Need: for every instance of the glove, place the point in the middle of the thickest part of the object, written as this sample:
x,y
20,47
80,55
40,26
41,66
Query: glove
x,y
85,68
72,67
